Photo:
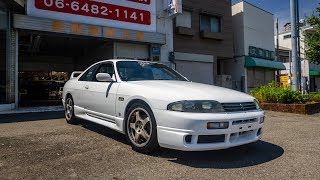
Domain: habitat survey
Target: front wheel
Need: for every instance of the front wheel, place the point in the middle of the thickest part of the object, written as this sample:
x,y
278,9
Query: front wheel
x,y
69,111
141,128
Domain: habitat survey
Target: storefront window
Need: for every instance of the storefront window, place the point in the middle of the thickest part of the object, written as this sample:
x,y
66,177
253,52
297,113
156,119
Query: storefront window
x,y
3,53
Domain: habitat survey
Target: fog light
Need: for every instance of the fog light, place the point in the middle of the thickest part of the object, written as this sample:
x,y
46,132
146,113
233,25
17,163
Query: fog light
x,y
188,138
217,125
262,119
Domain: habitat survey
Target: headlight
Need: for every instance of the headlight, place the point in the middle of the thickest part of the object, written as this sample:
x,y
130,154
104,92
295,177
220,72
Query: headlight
x,y
196,106
256,102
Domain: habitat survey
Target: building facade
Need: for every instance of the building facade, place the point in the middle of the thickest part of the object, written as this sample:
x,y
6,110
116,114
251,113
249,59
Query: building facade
x,y
310,72
8,67
203,39
254,63
43,41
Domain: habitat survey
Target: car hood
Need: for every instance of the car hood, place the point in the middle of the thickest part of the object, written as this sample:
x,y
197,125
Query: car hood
x,y
184,90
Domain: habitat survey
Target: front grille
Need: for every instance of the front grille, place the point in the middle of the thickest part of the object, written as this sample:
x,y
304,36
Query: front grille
x,y
203,139
235,107
246,121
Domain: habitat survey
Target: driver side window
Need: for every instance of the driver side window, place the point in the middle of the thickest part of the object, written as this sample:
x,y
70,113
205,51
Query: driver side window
x,y
105,68
88,75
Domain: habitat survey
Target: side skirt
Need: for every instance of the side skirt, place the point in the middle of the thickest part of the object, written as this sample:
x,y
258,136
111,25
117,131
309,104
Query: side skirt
x,y
111,122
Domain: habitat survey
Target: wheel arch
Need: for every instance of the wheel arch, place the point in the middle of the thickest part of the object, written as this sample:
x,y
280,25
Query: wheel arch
x,y
133,101
68,94
129,104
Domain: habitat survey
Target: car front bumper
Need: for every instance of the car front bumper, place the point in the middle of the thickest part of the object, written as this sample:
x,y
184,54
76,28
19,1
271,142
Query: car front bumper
x,y
189,132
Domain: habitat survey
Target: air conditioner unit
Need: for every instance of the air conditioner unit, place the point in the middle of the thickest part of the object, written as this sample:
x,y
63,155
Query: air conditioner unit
x,y
224,81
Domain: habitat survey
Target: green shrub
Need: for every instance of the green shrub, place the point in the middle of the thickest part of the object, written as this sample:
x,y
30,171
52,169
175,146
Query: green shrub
x,y
273,93
314,95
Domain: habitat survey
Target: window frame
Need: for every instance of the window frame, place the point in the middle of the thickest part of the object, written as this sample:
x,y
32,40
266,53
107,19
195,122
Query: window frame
x,y
96,66
100,65
191,18
219,17
288,36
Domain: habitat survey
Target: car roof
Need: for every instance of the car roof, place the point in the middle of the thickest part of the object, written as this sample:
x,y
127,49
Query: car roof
x,y
119,60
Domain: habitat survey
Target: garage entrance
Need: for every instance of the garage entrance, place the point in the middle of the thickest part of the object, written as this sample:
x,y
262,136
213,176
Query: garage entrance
x,y
132,51
46,61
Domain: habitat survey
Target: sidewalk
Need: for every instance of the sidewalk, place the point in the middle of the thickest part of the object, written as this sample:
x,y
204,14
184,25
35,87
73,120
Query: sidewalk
x,y
24,110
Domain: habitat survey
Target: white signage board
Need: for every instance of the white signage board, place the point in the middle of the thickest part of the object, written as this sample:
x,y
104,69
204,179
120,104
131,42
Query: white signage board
x,y
174,7
127,14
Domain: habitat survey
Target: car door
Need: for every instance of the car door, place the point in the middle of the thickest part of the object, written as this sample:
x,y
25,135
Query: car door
x,y
100,97
78,92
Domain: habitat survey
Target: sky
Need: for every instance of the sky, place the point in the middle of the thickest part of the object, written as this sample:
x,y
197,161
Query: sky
x,y
281,8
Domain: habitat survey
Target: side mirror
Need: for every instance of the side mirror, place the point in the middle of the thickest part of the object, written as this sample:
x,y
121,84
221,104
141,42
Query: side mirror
x,y
104,77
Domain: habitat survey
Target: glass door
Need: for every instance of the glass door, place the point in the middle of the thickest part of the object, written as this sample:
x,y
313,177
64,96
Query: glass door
x,y
3,54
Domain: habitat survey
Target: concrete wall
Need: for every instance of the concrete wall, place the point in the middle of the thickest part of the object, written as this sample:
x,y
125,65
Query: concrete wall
x,y
252,26
258,28
197,44
164,26
287,42
284,42
236,69
238,29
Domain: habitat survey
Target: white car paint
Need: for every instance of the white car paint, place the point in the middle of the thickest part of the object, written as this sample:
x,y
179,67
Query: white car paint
x,y
93,103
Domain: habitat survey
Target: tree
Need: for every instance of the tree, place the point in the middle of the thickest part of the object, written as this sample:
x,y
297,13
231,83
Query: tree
x,y
313,38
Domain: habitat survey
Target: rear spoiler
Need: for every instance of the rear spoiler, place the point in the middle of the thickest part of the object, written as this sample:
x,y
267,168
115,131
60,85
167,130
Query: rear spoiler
x,y
75,74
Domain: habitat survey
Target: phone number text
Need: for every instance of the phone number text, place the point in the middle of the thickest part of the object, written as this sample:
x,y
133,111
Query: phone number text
x,y
96,9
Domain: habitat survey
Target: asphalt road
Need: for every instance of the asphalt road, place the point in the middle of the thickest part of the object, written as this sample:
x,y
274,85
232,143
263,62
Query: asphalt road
x,y
43,146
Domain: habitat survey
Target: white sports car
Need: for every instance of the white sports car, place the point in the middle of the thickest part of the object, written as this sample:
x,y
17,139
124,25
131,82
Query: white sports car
x,y
154,106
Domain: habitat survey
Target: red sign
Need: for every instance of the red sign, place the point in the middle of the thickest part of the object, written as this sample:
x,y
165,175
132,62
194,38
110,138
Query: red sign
x,y
97,9
141,1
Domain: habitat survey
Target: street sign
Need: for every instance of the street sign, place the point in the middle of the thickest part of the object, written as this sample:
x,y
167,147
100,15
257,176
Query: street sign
x,y
174,7
284,80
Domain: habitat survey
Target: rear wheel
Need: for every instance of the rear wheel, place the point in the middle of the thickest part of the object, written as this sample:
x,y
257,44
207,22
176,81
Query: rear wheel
x,y
141,128
69,111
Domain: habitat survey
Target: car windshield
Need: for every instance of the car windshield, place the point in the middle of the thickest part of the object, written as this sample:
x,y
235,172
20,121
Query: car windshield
x,y
141,70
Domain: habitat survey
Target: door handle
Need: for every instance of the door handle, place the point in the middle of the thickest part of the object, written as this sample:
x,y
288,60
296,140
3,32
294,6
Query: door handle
x,y
86,87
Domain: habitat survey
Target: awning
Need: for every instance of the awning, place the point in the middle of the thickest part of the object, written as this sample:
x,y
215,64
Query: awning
x,y
258,62
314,73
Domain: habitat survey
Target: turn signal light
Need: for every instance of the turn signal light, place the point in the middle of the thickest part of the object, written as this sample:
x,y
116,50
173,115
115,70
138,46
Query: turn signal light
x,y
262,119
218,125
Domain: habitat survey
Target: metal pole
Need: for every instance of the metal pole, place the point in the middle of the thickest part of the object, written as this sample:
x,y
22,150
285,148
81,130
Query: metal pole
x,y
298,28
302,87
278,56
277,27
295,63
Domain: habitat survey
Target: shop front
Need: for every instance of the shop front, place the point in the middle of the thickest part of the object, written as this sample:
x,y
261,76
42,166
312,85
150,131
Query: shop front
x,y
3,51
261,67
7,71
314,84
56,37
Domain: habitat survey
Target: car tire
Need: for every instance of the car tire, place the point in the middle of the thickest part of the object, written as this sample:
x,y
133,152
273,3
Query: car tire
x,y
69,111
141,128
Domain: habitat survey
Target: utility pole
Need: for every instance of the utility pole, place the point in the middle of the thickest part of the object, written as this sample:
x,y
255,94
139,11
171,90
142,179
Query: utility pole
x,y
302,81
298,28
277,27
296,75
277,52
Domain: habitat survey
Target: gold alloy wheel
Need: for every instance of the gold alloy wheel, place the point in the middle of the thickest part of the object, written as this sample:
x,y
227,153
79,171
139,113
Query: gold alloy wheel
x,y
139,127
69,109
